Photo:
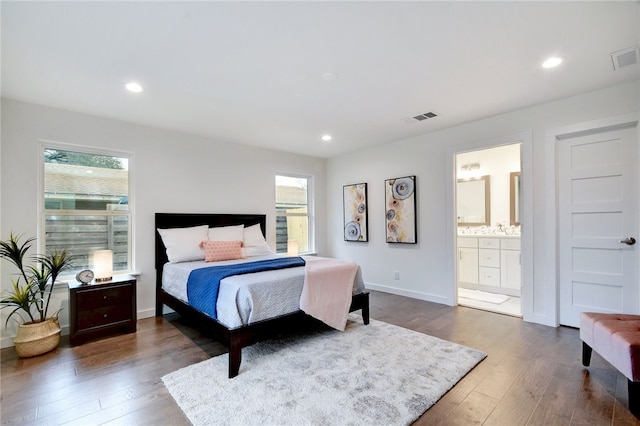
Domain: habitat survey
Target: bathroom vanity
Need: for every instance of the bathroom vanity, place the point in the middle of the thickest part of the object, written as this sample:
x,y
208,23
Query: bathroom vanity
x,y
490,263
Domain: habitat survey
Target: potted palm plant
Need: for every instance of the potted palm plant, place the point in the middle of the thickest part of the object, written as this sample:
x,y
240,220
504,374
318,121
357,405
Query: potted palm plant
x,y
38,332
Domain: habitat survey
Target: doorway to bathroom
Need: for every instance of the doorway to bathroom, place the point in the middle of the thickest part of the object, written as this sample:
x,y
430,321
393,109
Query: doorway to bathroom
x,y
488,240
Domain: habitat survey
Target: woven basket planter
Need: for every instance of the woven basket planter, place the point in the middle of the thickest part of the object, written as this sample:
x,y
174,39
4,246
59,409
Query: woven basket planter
x,y
37,338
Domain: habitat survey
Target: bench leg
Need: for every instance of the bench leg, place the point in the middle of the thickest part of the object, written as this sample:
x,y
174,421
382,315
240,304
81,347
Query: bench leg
x,y
634,397
586,354
365,310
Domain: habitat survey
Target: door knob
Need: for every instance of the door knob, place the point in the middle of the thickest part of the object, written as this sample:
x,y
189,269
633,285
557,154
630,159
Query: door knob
x,y
628,241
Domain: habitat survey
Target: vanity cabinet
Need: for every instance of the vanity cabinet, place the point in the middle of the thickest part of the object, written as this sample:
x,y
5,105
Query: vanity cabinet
x,y
510,264
490,263
468,260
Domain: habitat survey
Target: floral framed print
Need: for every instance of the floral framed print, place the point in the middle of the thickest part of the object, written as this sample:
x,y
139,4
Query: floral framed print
x,y
355,212
400,210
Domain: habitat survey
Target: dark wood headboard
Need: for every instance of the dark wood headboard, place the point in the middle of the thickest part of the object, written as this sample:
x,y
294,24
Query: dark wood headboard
x,y
183,220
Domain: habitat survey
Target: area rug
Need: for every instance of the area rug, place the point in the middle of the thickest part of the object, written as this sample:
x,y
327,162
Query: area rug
x,y
376,374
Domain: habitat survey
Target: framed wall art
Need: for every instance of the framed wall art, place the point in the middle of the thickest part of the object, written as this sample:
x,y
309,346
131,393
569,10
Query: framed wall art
x,y
355,212
400,210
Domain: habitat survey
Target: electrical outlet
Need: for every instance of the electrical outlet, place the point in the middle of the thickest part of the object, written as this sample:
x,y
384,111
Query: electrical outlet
x,y
396,275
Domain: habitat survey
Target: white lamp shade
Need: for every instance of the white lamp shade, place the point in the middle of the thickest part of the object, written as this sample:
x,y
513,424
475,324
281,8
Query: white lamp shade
x,y
292,248
103,265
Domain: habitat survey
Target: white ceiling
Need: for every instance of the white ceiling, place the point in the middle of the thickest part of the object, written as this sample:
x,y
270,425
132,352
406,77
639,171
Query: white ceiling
x,y
252,73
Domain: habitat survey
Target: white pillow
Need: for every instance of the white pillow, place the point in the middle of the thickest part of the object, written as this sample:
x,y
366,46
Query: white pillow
x,y
226,233
254,242
183,244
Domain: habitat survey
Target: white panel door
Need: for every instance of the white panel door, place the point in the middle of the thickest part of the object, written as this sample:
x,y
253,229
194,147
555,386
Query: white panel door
x,y
597,212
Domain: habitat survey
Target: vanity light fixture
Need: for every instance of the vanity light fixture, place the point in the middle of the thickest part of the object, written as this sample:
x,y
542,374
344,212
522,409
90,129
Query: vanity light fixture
x,y
133,87
470,167
552,62
469,171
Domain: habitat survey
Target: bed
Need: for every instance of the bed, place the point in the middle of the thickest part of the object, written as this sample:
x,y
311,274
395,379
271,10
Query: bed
x,y
230,333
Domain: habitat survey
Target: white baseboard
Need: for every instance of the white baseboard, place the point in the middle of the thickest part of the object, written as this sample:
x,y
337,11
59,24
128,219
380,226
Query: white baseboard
x,y
409,293
147,313
7,341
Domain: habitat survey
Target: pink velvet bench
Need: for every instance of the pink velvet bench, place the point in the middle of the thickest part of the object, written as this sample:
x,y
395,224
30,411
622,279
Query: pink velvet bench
x,y
616,338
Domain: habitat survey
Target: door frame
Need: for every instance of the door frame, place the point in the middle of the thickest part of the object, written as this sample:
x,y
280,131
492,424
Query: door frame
x,y
549,312
526,238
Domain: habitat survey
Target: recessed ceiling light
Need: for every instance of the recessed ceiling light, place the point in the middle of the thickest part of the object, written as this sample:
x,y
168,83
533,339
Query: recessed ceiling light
x,y
553,61
326,138
133,87
330,76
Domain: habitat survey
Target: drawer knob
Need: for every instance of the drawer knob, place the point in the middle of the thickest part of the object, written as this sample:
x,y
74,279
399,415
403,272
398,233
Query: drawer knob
x,y
104,297
105,315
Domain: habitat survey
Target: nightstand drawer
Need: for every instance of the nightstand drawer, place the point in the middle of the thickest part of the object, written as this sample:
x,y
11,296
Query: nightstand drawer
x,y
104,315
113,296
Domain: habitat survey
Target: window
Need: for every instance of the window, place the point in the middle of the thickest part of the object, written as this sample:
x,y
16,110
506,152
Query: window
x,y
294,212
85,203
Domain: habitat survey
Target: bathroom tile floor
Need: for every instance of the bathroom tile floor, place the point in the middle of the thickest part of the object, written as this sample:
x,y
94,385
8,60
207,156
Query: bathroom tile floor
x,y
511,306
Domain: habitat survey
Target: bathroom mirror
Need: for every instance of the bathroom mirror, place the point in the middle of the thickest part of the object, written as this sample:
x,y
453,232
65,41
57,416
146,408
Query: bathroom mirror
x,y
474,208
514,198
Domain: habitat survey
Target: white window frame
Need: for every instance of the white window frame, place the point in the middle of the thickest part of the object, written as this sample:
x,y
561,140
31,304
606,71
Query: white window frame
x,y
310,215
42,212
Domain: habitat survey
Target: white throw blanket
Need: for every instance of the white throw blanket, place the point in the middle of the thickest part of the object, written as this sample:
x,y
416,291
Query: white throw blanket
x,y
328,289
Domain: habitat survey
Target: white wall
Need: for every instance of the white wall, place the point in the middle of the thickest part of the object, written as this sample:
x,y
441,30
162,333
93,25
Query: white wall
x,y
178,173
427,269
173,172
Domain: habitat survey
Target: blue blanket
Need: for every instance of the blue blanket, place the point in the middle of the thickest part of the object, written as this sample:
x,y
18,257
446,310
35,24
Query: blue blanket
x,y
204,283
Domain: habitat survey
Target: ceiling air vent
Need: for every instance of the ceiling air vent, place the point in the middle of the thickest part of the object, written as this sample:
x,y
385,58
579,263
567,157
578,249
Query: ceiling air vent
x,y
625,57
420,117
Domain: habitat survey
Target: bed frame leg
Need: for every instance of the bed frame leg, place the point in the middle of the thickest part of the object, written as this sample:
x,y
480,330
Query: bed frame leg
x,y
159,304
235,359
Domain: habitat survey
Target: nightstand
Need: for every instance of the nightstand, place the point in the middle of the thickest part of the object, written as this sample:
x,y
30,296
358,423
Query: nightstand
x,y
102,308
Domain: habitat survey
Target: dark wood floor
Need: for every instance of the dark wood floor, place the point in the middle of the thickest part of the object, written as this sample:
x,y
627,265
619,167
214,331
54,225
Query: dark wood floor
x,y
532,374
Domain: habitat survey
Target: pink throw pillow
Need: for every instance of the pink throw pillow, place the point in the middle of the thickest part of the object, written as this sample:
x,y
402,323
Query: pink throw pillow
x,y
221,250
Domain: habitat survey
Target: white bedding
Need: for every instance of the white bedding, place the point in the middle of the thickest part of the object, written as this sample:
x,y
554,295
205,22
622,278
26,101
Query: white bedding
x,y
244,299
